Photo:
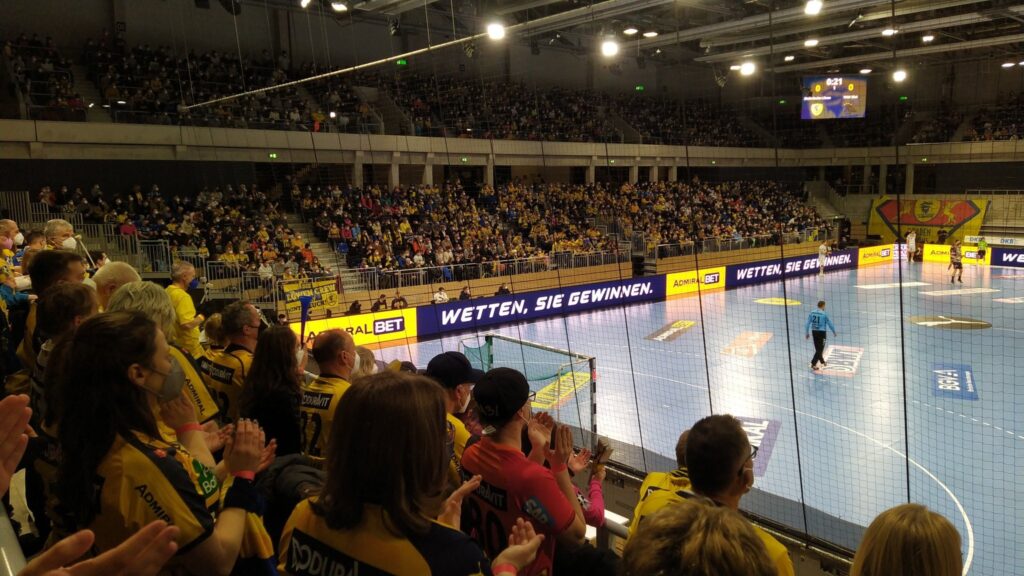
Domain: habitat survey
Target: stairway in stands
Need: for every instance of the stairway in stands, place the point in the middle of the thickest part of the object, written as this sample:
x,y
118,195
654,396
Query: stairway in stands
x,y
90,94
331,260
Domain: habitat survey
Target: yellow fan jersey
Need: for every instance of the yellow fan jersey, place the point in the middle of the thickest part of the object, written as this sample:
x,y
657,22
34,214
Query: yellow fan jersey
x,y
660,489
185,309
224,373
458,436
310,548
142,479
205,406
319,403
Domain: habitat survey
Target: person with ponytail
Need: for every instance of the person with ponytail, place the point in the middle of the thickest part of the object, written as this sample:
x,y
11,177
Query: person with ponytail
x,y
116,472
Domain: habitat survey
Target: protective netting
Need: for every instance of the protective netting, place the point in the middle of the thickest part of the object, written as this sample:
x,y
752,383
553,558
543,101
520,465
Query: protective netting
x,y
563,381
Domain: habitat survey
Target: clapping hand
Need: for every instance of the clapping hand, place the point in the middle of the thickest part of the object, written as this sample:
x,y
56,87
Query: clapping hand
x,y
451,514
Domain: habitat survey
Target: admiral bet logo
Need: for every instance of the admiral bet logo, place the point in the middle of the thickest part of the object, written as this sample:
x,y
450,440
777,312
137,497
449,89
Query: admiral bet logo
x,y
694,280
377,327
712,278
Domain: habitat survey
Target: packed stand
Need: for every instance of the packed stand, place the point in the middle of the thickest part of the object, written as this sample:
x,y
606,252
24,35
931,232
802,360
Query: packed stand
x,y
339,106
241,227
155,439
415,227
1004,122
44,78
696,123
454,107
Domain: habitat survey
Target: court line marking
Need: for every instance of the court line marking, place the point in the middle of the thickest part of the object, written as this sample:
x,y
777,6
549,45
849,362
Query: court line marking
x,y
956,501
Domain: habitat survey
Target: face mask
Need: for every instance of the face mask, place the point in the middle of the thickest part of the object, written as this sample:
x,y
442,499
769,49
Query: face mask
x,y
465,404
6,243
19,239
174,381
69,243
193,284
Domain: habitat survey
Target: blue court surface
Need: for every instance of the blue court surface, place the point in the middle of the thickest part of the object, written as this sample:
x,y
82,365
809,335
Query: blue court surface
x,y
834,444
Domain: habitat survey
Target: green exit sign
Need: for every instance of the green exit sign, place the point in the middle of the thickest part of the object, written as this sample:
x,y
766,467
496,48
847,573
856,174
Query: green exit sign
x,y
783,101
903,98
272,155
639,88
402,62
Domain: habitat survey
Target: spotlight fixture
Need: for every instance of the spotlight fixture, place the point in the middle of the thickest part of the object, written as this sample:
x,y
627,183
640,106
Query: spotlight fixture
x,y
789,58
734,67
650,34
927,38
813,7
305,3
122,102
658,51
338,6
91,104
748,68
865,70
1021,63
333,114
609,48
630,31
394,25
495,31
889,32
899,75
1005,65
810,43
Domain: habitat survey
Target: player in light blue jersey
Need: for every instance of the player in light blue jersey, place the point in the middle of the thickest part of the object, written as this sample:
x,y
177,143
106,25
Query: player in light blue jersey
x,y
817,324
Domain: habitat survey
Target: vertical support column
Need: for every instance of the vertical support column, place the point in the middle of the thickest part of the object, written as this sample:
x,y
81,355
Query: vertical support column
x,y
652,173
394,170
592,170
821,173
883,174
866,186
634,173
909,188
673,173
428,170
489,171
357,169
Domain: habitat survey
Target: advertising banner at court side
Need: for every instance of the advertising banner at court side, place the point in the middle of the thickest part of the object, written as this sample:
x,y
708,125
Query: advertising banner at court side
x,y
688,282
770,270
940,253
875,254
469,315
368,329
1008,257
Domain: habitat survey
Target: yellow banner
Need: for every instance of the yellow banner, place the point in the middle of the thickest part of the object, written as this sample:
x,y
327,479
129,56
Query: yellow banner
x,y
324,293
874,255
958,218
940,253
687,282
368,329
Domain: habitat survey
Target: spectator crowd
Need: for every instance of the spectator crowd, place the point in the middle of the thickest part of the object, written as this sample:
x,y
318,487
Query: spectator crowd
x,y
162,441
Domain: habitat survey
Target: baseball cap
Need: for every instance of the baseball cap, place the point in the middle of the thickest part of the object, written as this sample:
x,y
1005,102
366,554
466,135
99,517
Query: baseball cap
x,y
500,394
450,369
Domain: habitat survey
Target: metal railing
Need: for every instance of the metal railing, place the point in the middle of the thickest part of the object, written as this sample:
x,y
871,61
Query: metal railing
x,y
18,207
156,256
712,245
374,279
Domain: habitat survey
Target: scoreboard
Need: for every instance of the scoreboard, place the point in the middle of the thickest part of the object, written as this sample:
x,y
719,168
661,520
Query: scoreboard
x,y
828,97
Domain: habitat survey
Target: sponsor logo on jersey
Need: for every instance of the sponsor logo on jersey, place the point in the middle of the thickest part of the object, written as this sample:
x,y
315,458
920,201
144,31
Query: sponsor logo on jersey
x,y
143,491
954,381
316,400
307,555
496,497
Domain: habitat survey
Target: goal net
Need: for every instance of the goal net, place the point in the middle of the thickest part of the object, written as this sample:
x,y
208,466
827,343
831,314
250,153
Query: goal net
x,y
563,381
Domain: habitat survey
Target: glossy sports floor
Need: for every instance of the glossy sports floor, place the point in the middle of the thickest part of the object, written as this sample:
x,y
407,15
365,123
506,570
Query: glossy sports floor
x,y
834,441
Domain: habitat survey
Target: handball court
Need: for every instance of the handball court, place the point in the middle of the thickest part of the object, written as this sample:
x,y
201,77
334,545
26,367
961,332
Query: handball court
x,y
833,444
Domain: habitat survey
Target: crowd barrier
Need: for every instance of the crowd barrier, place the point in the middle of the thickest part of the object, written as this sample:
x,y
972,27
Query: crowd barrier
x,y
395,327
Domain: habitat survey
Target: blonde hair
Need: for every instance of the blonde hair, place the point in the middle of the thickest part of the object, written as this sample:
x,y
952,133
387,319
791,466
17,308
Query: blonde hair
x,y
214,329
367,362
692,539
151,300
908,540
